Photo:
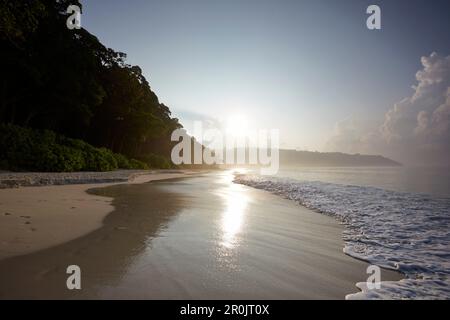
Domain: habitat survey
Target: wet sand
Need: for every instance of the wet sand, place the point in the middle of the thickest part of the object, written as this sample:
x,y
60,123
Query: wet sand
x,y
39,217
195,238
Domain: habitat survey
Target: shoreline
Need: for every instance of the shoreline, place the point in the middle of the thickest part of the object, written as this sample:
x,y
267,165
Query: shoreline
x,y
9,179
172,240
107,229
54,208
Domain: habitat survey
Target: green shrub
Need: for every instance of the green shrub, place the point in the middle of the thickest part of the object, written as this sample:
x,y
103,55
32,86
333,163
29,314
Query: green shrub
x,y
4,165
35,150
98,159
65,159
157,161
138,165
122,161
28,149
109,158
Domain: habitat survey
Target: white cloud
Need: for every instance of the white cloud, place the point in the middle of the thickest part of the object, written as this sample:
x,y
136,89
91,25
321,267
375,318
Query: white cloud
x,y
347,137
416,129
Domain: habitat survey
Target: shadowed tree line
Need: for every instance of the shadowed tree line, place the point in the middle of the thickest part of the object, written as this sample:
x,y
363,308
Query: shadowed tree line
x,y
67,81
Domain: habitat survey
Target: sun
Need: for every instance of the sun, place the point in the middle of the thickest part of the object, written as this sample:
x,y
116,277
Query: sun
x,y
237,125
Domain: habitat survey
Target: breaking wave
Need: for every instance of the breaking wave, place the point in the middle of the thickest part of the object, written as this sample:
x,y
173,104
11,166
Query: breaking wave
x,y
406,232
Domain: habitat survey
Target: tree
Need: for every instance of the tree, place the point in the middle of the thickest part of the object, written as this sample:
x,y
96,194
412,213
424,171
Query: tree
x,y
67,81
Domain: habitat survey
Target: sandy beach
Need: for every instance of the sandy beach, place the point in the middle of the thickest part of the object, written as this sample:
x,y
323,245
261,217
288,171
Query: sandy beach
x,y
200,237
41,215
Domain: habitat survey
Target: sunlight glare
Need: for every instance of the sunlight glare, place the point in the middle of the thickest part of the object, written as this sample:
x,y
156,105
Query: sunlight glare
x,y
237,126
233,216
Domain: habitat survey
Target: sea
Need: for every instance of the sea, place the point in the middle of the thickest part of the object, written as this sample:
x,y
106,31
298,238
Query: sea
x,y
395,217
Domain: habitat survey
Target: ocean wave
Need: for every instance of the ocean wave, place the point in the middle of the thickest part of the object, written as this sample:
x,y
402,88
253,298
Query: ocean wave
x,y
400,231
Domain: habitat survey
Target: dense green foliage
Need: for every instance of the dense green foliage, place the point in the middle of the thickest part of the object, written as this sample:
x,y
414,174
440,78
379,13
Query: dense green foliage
x,y
157,161
66,81
44,150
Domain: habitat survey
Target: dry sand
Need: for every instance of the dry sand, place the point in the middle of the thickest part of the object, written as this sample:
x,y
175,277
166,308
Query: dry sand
x,y
35,218
197,238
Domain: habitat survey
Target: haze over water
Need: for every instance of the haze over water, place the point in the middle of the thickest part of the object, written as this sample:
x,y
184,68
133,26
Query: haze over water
x,y
433,181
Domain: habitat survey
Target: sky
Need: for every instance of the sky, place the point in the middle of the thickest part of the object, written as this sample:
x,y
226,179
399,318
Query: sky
x,y
311,69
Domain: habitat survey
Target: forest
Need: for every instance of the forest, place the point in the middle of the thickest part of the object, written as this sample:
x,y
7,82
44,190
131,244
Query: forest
x,y
67,98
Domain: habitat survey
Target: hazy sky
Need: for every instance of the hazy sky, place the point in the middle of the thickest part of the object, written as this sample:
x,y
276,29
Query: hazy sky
x,y
309,68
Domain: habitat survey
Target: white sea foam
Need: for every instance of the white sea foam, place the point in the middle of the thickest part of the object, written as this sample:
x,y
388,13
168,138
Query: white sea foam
x,y
401,231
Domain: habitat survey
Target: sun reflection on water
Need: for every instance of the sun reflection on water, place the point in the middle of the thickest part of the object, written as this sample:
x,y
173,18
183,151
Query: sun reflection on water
x,y
235,207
